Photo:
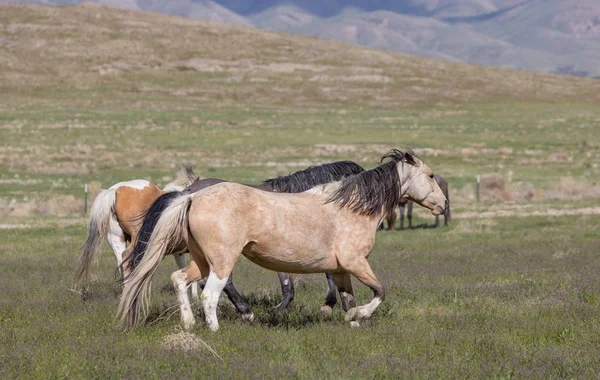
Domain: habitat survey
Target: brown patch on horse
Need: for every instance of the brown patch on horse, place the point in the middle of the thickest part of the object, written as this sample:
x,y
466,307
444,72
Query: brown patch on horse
x,y
130,204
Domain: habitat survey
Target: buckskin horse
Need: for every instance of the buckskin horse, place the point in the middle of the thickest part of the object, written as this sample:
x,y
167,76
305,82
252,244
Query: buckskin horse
x,y
115,216
294,183
330,228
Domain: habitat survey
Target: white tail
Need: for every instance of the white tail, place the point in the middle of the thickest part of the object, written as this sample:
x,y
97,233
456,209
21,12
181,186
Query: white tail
x,y
167,235
98,224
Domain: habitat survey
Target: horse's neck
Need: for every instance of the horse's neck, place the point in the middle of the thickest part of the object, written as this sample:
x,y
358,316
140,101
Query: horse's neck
x,y
405,174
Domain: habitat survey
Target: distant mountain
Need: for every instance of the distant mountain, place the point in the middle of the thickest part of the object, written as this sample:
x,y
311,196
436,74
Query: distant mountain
x,y
544,35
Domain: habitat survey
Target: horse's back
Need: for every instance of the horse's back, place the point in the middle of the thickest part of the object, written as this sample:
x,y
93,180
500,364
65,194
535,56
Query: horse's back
x,y
201,184
270,222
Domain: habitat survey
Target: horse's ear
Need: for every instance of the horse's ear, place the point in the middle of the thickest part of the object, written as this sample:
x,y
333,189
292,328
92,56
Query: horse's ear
x,y
410,158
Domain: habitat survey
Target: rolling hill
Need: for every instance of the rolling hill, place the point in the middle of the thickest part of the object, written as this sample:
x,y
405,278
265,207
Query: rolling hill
x,y
542,35
144,52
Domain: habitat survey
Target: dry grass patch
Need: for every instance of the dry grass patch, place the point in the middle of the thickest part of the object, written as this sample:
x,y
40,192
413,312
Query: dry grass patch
x,y
186,341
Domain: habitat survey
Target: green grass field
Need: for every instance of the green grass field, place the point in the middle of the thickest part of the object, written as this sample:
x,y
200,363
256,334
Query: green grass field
x,y
517,297
510,289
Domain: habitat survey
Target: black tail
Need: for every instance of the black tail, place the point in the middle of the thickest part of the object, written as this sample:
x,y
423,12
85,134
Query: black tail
x,y
151,217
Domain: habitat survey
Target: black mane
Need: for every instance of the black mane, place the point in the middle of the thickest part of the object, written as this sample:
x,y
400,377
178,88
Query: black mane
x,y
373,191
313,176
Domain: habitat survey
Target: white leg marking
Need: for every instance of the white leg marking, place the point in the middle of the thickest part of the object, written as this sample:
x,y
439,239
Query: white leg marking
x,y
182,260
179,279
116,239
362,312
195,296
371,306
210,299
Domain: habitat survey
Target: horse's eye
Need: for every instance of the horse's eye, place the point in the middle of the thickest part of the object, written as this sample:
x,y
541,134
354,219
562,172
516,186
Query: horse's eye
x,y
431,176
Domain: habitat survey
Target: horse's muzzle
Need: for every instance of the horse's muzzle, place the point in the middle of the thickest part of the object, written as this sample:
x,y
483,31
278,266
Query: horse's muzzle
x,y
439,209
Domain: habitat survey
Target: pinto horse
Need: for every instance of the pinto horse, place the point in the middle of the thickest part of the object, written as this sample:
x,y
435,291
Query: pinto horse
x,y
408,205
330,228
115,215
294,183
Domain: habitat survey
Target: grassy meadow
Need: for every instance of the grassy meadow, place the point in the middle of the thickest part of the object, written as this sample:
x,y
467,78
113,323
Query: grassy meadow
x,y
95,95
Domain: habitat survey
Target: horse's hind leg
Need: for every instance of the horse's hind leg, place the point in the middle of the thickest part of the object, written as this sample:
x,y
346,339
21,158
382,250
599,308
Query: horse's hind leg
x,y
236,299
181,260
116,240
210,298
331,298
234,296
344,285
124,266
362,271
287,290
181,280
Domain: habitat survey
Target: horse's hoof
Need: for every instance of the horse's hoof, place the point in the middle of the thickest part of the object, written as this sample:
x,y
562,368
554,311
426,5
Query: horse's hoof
x,y
327,310
248,317
187,325
351,314
354,324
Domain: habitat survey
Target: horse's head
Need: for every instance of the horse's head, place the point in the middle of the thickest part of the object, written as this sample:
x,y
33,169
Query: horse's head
x,y
185,177
419,184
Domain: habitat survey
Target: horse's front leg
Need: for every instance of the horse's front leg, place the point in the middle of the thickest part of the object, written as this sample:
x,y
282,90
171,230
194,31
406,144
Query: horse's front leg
x,y
362,271
401,210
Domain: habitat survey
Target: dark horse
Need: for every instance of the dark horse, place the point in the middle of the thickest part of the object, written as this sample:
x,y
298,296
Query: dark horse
x,y
408,204
294,183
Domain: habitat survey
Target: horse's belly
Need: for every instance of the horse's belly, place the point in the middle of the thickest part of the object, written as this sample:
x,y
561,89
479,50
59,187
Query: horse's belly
x,y
283,260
